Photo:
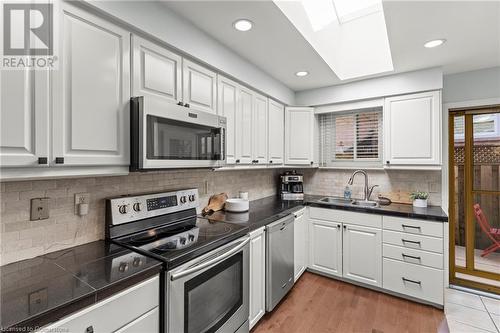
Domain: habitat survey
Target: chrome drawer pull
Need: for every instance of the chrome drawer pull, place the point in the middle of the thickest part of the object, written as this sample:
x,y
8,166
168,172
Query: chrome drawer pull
x,y
410,241
408,256
411,226
412,281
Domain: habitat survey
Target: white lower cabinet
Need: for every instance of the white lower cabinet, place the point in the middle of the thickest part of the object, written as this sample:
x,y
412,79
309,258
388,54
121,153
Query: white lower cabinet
x,y
414,280
362,257
128,311
325,247
257,293
299,243
400,255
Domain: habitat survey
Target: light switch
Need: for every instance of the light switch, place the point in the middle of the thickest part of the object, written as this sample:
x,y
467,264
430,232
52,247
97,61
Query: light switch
x,y
39,209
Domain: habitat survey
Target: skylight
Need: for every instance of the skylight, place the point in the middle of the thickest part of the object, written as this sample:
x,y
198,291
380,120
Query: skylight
x,y
350,36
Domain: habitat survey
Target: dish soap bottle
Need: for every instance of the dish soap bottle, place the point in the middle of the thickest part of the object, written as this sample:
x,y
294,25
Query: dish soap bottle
x,y
347,193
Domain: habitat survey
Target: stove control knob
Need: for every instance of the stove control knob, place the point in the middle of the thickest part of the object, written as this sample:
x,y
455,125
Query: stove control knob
x,y
137,262
137,207
192,197
182,240
183,199
123,209
191,237
123,267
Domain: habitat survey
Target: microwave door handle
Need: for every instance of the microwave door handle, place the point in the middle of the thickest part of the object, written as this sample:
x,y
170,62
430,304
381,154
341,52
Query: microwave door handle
x,y
211,262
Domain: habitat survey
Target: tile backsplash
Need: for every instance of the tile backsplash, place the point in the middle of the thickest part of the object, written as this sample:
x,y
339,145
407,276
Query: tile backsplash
x,y
332,182
21,238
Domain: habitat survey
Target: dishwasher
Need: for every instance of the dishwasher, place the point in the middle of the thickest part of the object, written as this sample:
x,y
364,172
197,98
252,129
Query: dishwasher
x,y
279,260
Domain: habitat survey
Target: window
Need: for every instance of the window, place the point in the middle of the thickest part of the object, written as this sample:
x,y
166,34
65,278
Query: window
x,y
351,137
486,126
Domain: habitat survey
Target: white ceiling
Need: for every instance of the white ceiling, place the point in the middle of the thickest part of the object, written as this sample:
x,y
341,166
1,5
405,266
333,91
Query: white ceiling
x,y
472,30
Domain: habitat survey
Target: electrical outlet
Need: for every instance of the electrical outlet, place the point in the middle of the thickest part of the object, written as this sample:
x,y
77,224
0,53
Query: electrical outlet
x,y
39,209
38,301
81,198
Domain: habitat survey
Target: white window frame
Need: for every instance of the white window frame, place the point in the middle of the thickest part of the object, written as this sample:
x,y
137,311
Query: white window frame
x,y
355,162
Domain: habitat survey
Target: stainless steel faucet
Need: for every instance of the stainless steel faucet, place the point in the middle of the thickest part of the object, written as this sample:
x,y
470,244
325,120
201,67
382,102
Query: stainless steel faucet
x,y
367,190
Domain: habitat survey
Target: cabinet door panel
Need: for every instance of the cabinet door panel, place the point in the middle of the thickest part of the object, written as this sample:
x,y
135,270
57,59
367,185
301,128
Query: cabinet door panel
x,y
260,129
227,107
24,117
412,129
92,90
299,136
257,276
244,130
276,133
200,87
363,254
325,247
157,71
300,250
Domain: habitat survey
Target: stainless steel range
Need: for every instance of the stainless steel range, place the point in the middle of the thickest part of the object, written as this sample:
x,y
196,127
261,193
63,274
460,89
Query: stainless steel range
x,y
205,263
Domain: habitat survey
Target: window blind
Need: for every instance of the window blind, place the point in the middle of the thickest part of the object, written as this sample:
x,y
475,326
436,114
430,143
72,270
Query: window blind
x,y
350,136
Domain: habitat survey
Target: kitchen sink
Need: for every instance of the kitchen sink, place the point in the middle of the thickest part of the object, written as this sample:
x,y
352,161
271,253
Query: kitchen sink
x,y
334,200
349,202
363,203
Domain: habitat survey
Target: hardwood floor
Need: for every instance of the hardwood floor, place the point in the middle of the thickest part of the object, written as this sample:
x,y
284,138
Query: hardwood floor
x,y
319,304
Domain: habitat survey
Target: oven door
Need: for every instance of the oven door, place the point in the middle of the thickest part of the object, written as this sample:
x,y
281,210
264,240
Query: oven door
x,y
165,135
210,293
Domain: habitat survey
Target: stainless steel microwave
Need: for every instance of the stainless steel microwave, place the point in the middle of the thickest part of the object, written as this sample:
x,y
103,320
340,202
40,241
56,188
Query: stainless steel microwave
x,y
166,135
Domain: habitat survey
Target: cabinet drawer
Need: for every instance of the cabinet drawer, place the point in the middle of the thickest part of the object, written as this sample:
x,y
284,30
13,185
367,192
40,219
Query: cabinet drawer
x,y
149,322
413,256
114,312
420,227
413,280
413,241
336,215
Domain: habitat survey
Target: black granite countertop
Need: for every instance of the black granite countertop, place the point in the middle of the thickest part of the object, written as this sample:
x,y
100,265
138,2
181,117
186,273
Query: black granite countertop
x,y
38,291
270,209
431,213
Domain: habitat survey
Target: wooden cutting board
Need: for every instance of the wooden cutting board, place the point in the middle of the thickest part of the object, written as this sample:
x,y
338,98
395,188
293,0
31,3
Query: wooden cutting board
x,y
400,197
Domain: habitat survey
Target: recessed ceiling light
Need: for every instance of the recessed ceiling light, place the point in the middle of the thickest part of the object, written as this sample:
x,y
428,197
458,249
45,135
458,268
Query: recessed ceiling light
x,y
302,73
243,25
434,43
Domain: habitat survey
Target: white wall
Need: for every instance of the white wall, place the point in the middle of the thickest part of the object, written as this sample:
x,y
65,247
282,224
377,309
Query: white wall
x,y
403,83
157,20
473,85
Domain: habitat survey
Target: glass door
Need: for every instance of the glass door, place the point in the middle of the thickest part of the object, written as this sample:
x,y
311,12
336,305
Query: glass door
x,y
475,198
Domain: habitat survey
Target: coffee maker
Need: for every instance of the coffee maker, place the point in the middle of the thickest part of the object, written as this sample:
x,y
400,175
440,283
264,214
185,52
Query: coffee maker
x,y
291,187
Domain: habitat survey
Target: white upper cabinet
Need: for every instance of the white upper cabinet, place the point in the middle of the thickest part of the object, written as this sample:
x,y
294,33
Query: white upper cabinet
x,y
362,247
412,130
276,133
24,116
325,247
200,87
227,107
244,129
260,129
91,91
299,136
156,71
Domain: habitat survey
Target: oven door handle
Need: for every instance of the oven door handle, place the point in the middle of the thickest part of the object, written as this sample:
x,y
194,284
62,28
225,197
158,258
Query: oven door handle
x,y
211,262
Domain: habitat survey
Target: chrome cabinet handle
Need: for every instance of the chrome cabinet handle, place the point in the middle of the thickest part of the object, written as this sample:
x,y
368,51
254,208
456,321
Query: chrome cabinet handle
x,y
338,226
210,262
411,226
89,329
410,241
411,281
408,256
43,160
180,103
